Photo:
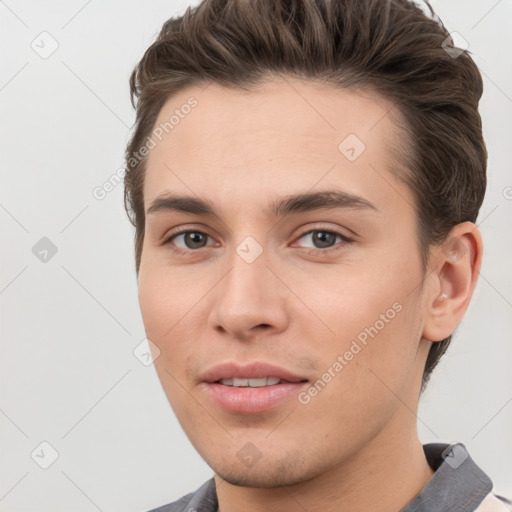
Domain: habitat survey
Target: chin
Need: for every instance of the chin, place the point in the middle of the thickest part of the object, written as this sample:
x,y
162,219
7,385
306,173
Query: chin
x,y
264,474
260,479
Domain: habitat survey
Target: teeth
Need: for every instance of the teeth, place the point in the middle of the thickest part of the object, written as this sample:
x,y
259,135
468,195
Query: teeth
x,y
253,383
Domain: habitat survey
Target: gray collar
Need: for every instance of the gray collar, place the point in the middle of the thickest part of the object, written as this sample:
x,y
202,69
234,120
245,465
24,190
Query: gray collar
x,y
458,485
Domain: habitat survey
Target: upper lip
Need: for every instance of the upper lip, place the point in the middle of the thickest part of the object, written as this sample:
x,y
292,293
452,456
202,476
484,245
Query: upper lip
x,y
254,370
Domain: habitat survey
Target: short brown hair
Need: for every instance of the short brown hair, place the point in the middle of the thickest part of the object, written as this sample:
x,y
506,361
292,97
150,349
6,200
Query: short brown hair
x,y
389,46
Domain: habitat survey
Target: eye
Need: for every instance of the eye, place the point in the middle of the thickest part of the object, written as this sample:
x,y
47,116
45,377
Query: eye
x,y
324,239
190,240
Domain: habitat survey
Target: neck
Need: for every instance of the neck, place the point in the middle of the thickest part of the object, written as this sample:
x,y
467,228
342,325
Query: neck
x,y
385,475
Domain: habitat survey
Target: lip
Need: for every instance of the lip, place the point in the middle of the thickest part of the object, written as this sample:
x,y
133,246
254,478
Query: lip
x,y
254,370
248,400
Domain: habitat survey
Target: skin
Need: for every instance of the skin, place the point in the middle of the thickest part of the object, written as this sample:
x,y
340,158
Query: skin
x,y
355,444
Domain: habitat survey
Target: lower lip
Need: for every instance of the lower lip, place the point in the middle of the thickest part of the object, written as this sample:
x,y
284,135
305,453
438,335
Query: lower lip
x,y
252,400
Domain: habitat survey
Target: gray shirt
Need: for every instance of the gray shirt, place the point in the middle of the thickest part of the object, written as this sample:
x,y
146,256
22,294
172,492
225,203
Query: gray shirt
x,y
458,485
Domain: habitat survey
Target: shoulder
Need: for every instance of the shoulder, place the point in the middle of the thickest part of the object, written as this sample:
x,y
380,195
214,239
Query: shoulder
x,y
203,499
175,506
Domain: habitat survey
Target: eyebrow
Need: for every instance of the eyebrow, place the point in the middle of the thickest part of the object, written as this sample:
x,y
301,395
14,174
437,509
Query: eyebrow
x,y
298,203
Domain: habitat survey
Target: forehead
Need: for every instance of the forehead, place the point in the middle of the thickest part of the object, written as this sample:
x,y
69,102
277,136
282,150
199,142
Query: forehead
x,y
283,129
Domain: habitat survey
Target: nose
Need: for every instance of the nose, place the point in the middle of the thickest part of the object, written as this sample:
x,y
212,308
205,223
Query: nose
x,y
249,299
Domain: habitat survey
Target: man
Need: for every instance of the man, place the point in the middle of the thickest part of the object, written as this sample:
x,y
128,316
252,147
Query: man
x,y
304,179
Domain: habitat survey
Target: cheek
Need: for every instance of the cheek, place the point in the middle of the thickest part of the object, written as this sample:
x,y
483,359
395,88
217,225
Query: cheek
x,y
166,300
348,301
364,370
152,301
369,319
163,309
173,321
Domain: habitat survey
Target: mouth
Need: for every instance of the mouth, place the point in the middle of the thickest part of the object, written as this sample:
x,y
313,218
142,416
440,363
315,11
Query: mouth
x,y
254,374
240,382
251,389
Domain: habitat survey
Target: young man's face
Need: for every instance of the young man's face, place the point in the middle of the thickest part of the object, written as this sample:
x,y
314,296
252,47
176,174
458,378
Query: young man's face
x,y
330,295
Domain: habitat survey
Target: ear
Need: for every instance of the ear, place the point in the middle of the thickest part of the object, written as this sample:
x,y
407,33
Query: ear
x,y
454,270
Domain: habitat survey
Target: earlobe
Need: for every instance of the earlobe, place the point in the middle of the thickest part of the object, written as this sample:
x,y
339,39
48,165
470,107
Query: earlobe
x,y
456,266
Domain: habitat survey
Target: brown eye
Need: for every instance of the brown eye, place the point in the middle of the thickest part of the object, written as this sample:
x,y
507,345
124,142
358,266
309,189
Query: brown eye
x,y
188,240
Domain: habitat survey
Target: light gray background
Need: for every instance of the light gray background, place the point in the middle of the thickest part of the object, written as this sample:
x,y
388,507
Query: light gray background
x,y
70,325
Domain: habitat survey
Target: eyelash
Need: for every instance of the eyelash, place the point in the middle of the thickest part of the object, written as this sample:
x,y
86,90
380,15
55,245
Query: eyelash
x,y
328,250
